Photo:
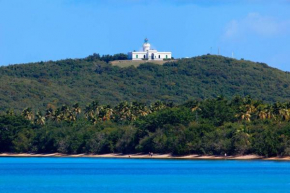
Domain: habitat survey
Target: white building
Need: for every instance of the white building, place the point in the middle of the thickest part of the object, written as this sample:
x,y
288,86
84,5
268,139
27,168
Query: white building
x,y
148,54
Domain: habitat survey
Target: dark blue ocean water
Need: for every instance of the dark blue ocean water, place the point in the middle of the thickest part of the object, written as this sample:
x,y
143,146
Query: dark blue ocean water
x,y
53,175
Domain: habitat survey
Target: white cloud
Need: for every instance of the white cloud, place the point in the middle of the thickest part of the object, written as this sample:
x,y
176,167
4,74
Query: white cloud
x,y
232,29
256,24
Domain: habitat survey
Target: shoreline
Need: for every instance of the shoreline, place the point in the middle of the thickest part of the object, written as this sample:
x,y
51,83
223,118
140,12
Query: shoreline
x,y
146,156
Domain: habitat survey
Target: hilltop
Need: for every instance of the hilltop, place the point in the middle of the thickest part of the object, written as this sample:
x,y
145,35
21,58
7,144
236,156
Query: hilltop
x,y
53,83
136,63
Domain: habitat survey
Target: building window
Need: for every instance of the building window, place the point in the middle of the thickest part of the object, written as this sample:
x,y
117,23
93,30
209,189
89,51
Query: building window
x,y
166,56
144,56
136,56
159,56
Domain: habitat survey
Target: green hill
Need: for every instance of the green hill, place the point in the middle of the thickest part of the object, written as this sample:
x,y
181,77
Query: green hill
x,y
53,83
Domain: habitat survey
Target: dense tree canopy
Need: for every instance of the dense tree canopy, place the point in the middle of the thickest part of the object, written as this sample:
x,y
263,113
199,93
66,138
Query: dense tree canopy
x,y
214,126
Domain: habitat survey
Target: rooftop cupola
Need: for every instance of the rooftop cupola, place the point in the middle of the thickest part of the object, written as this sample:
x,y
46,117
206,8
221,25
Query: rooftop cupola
x,y
146,45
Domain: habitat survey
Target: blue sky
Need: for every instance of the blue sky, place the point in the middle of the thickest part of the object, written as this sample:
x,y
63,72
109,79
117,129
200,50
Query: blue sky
x,y
41,30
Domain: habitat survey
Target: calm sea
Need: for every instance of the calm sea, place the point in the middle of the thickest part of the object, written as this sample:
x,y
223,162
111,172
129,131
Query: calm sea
x,y
141,175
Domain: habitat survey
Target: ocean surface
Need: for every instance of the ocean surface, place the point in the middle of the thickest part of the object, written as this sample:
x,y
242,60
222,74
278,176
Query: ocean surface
x,y
52,175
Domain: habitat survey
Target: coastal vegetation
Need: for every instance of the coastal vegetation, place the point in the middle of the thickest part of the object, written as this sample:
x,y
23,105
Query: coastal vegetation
x,y
48,84
199,105
237,126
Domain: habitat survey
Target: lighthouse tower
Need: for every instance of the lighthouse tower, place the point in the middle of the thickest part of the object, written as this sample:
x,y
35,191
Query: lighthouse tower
x,y
148,54
146,45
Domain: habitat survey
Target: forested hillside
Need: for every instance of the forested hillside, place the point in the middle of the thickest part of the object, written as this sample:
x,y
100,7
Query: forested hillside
x,y
54,83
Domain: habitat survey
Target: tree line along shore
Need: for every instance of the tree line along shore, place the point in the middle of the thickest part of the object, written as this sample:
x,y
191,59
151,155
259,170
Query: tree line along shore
x,y
217,126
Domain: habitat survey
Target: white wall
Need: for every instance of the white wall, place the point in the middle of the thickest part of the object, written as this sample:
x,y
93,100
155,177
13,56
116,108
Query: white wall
x,y
140,55
133,55
162,55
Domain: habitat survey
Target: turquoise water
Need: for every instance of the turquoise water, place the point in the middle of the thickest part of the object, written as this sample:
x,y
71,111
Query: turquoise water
x,y
141,175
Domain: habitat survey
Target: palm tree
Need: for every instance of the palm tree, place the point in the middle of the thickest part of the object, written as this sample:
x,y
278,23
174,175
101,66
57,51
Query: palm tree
x,y
64,110
262,115
70,116
244,114
196,108
250,108
76,109
109,113
89,111
139,109
281,110
284,113
158,105
105,113
95,113
57,115
261,112
123,112
27,114
277,107
39,118
269,112
64,113
49,113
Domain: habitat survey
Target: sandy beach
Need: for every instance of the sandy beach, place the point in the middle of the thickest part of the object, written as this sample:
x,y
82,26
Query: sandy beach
x,y
146,156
